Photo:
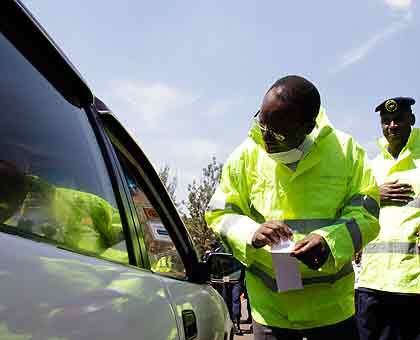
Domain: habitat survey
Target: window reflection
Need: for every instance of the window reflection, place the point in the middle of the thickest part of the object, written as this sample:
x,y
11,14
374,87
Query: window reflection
x,y
75,219
163,256
53,181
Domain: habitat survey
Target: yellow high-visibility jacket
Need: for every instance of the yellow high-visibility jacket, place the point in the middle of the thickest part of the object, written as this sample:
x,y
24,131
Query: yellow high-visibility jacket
x,y
391,262
76,219
331,193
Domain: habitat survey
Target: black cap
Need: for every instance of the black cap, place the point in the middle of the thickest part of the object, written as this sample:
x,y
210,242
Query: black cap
x,y
396,104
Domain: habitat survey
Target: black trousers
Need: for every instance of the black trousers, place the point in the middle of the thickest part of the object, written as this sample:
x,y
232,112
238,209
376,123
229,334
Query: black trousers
x,y
345,330
387,316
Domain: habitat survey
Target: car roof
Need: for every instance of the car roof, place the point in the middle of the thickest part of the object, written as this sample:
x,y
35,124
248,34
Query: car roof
x,y
19,25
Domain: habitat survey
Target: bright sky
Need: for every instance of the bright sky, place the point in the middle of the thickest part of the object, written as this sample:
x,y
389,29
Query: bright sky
x,y
185,77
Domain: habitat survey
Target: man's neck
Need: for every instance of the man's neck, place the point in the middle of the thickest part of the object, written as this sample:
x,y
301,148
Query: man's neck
x,y
395,149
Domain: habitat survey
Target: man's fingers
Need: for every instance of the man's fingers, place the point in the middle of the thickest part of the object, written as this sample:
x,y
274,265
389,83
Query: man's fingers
x,y
285,233
307,255
396,201
402,197
260,240
312,253
401,200
281,230
302,247
405,189
300,244
273,235
270,233
401,187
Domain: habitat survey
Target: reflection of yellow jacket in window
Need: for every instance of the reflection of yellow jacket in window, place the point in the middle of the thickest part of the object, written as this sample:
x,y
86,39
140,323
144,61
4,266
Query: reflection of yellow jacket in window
x,y
169,264
77,219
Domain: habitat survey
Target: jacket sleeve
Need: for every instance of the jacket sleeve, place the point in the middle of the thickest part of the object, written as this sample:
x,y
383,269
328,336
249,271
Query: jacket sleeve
x,y
229,214
357,223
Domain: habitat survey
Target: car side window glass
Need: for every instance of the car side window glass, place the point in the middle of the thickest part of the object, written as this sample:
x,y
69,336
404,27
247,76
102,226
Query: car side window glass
x,y
54,185
162,253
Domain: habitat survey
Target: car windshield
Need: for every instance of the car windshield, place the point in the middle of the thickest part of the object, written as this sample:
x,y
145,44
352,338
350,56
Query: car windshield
x,y
54,180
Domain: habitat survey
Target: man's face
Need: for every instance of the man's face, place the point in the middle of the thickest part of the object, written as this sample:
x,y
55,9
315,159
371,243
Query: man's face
x,y
396,126
279,118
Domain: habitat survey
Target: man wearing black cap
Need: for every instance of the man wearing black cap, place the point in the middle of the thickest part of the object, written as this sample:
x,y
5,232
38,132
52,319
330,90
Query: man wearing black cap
x,y
389,283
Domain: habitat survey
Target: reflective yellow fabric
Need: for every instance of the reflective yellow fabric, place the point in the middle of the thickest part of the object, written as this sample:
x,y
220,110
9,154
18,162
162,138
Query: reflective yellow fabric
x,y
76,219
331,193
391,262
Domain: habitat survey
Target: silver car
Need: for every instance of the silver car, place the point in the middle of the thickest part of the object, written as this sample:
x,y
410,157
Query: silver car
x,y
91,245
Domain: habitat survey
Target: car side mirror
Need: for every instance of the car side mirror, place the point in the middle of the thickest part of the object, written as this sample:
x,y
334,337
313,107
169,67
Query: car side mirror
x,y
224,268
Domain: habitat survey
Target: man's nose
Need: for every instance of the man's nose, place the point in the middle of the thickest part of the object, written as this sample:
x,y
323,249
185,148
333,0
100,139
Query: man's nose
x,y
393,125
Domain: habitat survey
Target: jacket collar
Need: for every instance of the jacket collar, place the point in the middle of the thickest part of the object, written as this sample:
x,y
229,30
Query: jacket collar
x,y
412,146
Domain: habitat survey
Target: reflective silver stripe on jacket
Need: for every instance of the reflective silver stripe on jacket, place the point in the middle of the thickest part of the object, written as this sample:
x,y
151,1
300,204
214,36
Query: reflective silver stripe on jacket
x,y
271,283
366,202
303,226
216,204
308,225
392,248
228,222
414,203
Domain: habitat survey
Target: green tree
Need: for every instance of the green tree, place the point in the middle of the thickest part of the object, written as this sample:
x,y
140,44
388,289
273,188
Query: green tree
x,y
170,182
198,198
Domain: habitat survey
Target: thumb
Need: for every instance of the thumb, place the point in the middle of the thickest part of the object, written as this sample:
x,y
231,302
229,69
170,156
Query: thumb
x,y
299,245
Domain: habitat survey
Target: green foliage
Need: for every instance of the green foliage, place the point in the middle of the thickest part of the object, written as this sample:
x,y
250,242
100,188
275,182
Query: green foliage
x,y
170,182
193,208
198,198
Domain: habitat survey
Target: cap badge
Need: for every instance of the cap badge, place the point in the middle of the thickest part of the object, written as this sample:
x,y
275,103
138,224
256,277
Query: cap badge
x,y
391,105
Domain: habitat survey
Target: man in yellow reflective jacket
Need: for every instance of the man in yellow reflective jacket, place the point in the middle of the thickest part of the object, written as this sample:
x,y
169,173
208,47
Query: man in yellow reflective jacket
x,y
389,283
295,176
78,220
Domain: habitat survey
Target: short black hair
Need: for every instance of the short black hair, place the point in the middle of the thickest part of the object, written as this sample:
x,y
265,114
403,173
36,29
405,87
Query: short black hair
x,y
300,93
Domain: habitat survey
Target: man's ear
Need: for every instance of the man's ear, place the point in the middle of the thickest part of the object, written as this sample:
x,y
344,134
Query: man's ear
x,y
412,119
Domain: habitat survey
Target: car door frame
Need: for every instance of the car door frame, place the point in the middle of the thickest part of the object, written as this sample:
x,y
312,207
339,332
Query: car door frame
x,y
156,193
196,303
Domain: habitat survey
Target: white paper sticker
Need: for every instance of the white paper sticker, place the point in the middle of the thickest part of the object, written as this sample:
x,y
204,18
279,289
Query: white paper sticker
x,y
286,267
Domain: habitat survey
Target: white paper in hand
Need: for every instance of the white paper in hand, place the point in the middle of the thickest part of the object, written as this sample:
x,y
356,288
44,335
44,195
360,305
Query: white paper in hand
x,y
288,275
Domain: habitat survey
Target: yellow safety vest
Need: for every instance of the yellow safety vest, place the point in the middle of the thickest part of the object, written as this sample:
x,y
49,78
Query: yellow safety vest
x,y
76,219
331,193
391,262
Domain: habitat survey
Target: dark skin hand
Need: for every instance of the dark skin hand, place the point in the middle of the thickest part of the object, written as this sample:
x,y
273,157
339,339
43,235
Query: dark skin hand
x,y
394,193
312,250
270,233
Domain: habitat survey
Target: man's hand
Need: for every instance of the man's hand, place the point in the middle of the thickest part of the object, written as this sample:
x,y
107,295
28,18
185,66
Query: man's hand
x,y
313,251
393,193
270,233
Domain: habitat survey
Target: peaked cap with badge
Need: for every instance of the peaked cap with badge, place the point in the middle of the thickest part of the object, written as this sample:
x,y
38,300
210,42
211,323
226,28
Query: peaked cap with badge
x,y
396,104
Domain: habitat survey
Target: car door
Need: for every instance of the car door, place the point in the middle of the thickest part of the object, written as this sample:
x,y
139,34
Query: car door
x,y
69,253
166,247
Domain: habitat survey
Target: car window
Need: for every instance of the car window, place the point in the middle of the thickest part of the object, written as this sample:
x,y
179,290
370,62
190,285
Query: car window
x,y
54,183
162,253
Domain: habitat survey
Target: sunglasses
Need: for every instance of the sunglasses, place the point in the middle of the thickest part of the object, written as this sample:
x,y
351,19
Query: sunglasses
x,y
265,129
